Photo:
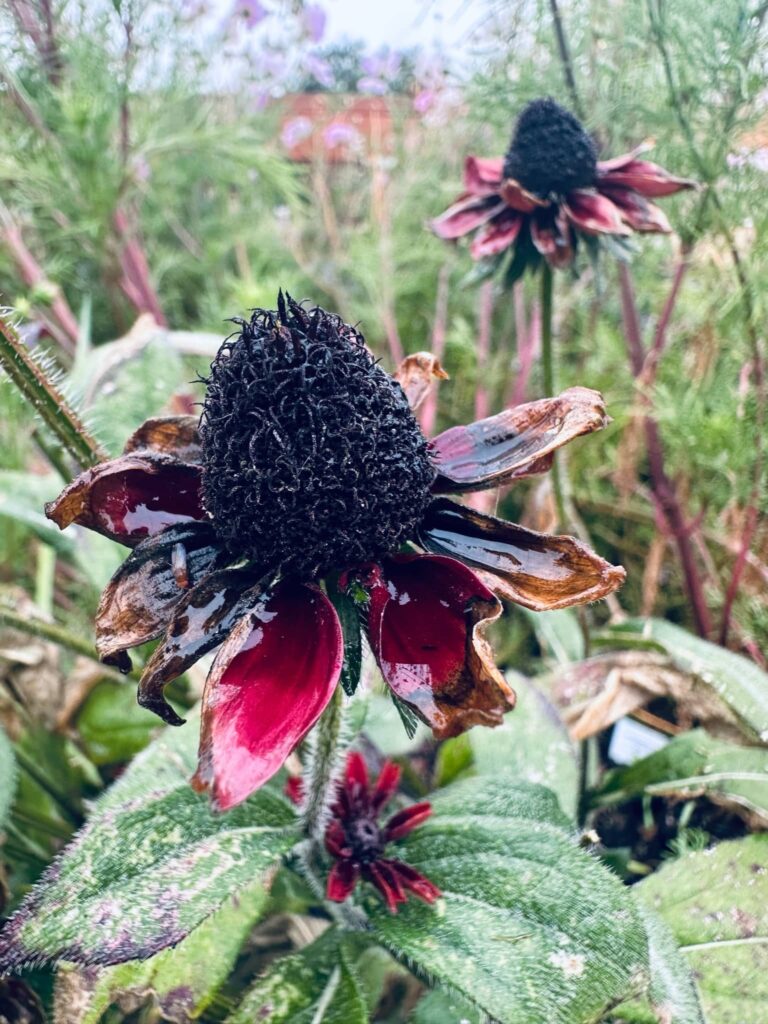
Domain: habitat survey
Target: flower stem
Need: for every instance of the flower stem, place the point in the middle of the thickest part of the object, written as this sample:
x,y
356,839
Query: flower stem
x,y
322,767
557,475
46,399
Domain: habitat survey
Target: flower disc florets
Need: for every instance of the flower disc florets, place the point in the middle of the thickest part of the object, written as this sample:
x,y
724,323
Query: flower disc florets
x,y
312,459
550,153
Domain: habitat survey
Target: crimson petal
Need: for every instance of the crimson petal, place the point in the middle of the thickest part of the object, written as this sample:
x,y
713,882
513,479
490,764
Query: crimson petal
x,y
270,682
342,880
616,163
386,786
647,178
637,211
387,882
173,435
519,198
594,214
482,175
496,236
551,236
201,620
131,497
415,882
140,599
405,821
425,623
464,216
515,443
536,570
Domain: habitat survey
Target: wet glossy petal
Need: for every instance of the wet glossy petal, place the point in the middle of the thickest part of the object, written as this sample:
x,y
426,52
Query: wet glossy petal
x,y
535,570
464,216
172,435
552,237
640,214
140,599
269,684
342,880
425,624
515,443
594,214
496,236
415,882
482,175
131,497
417,374
514,195
405,821
386,786
201,620
647,178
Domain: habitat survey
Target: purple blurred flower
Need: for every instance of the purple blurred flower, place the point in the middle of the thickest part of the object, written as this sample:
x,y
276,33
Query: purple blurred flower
x,y
372,85
384,64
320,70
314,22
295,131
250,11
756,158
424,100
339,134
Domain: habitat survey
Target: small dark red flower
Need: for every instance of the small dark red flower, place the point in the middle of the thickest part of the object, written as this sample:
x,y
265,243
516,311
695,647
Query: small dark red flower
x,y
357,842
550,189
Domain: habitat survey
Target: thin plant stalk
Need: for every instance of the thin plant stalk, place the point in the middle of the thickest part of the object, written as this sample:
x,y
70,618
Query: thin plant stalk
x,y
550,386
323,764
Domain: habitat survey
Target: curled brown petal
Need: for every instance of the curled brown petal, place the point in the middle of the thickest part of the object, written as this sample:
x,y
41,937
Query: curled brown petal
x,y
139,600
131,497
416,374
201,620
171,435
516,443
536,570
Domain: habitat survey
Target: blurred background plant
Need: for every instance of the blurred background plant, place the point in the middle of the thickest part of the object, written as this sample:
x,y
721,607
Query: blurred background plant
x,y
167,165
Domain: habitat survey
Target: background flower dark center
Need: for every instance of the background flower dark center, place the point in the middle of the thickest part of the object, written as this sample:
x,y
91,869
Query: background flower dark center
x,y
312,459
550,152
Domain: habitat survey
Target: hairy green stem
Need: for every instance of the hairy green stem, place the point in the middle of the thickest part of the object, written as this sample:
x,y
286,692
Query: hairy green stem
x,y
45,398
323,763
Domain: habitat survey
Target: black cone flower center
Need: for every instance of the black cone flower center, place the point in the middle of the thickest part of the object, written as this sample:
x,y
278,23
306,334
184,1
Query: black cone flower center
x,y
312,459
364,837
550,153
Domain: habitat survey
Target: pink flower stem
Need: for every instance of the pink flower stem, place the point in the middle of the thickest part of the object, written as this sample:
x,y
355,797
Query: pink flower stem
x,y
428,416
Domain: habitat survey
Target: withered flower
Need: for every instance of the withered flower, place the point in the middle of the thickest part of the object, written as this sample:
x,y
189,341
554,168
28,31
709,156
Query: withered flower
x,y
550,189
357,841
309,465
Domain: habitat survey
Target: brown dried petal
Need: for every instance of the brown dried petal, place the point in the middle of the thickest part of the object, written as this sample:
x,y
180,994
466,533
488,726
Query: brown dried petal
x,y
416,375
516,443
536,570
140,599
171,435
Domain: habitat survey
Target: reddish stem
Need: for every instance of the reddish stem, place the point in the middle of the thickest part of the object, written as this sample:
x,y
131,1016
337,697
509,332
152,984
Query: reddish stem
x,y
528,344
485,318
137,283
428,414
750,526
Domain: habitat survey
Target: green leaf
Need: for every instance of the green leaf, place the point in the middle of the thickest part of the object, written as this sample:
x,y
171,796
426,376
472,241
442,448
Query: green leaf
x,y
346,609
152,864
439,1006
558,632
695,764
454,759
532,743
739,682
715,903
313,986
383,723
7,777
672,991
185,979
112,726
531,928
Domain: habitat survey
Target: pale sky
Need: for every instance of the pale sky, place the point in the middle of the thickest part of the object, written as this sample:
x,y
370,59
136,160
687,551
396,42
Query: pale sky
x,y
403,23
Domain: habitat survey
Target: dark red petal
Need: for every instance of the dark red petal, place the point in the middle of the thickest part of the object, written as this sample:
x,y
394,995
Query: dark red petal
x,y
131,497
535,570
416,376
405,821
616,163
269,684
294,789
140,599
387,882
482,175
551,236
356,774
336,840
386,786
496,236
637,211
201,620
464,216
515,443
342,880
425,623
415,882
514,195
172,435
647,178
594,214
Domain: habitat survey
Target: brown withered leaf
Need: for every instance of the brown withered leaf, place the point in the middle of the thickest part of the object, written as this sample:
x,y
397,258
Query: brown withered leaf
x,y
139,600
416,376
596,693
177,436
517,442
537,570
